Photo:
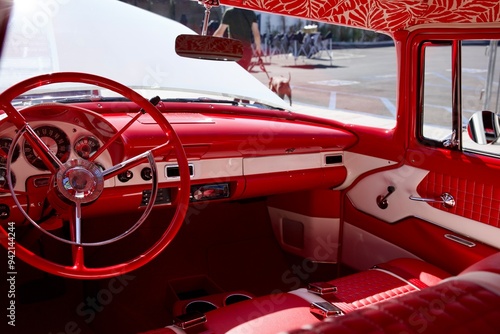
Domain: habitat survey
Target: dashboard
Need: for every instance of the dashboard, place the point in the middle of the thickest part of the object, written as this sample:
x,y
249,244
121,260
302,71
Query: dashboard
x,y
230,155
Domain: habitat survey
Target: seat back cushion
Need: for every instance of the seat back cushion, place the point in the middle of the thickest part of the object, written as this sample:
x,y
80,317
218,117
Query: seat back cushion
x,y
454,306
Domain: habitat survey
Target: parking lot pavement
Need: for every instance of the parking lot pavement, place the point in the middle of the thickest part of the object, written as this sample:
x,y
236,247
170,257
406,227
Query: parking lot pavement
x,y
303,73
358,84
339,81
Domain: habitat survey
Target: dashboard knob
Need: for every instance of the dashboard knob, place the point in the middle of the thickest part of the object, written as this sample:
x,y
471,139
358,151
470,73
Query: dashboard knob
x,y
125,176
4,211
146,174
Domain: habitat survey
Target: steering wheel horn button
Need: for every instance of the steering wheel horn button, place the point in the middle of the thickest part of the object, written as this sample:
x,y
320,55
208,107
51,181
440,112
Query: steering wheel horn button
x,y
80,181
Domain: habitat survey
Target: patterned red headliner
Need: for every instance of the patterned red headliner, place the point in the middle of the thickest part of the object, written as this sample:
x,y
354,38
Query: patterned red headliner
x,y
380,15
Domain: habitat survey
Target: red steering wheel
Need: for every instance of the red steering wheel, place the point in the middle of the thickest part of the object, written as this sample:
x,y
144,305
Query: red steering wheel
x,y
81,181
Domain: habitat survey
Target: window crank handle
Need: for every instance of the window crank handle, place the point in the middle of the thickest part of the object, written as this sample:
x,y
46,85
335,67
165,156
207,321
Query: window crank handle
x,y
446,199
382,200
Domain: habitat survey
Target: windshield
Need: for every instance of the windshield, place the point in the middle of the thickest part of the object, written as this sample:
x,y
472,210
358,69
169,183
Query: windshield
x,y
120,42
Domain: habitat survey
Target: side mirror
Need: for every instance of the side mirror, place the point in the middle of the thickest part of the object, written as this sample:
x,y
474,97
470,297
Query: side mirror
x,y
208,47
484,127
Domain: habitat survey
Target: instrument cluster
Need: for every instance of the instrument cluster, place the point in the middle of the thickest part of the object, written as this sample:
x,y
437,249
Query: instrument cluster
x,y
62,145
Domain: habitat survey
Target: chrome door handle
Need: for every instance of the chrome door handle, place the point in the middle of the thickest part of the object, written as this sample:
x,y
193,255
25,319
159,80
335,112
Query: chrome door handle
x,y
447,200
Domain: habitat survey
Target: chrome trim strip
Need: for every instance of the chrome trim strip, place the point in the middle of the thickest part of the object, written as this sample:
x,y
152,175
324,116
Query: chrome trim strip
x,y
460,240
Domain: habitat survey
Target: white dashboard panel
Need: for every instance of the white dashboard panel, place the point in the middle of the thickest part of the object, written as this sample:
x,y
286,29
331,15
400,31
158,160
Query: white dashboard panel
x,y
285,163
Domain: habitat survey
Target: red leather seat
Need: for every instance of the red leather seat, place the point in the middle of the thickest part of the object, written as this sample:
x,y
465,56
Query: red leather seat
x,y
490,263
385,281
290,310
463,304
467,303
377,300
286,311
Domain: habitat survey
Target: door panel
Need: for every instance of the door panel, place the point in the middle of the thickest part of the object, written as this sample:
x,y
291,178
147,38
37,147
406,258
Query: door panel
x,y
420,238
406,181
428,231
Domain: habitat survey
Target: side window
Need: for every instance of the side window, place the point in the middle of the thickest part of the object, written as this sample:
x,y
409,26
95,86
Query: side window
x,y
481,97
437,122
461,95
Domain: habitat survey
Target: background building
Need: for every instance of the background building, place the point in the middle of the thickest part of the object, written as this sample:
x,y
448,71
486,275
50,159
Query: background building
x,y
192,13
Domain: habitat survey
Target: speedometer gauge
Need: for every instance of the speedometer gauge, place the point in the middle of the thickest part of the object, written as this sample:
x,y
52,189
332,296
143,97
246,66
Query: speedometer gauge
x,y
56,140
5,146
86,146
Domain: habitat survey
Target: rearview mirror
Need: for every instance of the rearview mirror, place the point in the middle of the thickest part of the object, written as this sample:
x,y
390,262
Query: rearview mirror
x,y
208,47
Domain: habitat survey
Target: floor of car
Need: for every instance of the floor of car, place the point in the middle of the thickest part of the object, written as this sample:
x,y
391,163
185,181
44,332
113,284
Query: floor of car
x,y
228,244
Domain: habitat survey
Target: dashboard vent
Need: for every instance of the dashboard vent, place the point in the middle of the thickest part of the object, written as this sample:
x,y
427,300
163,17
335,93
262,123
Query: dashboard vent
x,y
173,170
333,159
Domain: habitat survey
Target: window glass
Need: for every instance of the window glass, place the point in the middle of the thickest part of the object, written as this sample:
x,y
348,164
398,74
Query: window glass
x,y
479,89
480,96
344,74
437,116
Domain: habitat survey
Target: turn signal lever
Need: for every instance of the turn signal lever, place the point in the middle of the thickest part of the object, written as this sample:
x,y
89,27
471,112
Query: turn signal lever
x,y
382,200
